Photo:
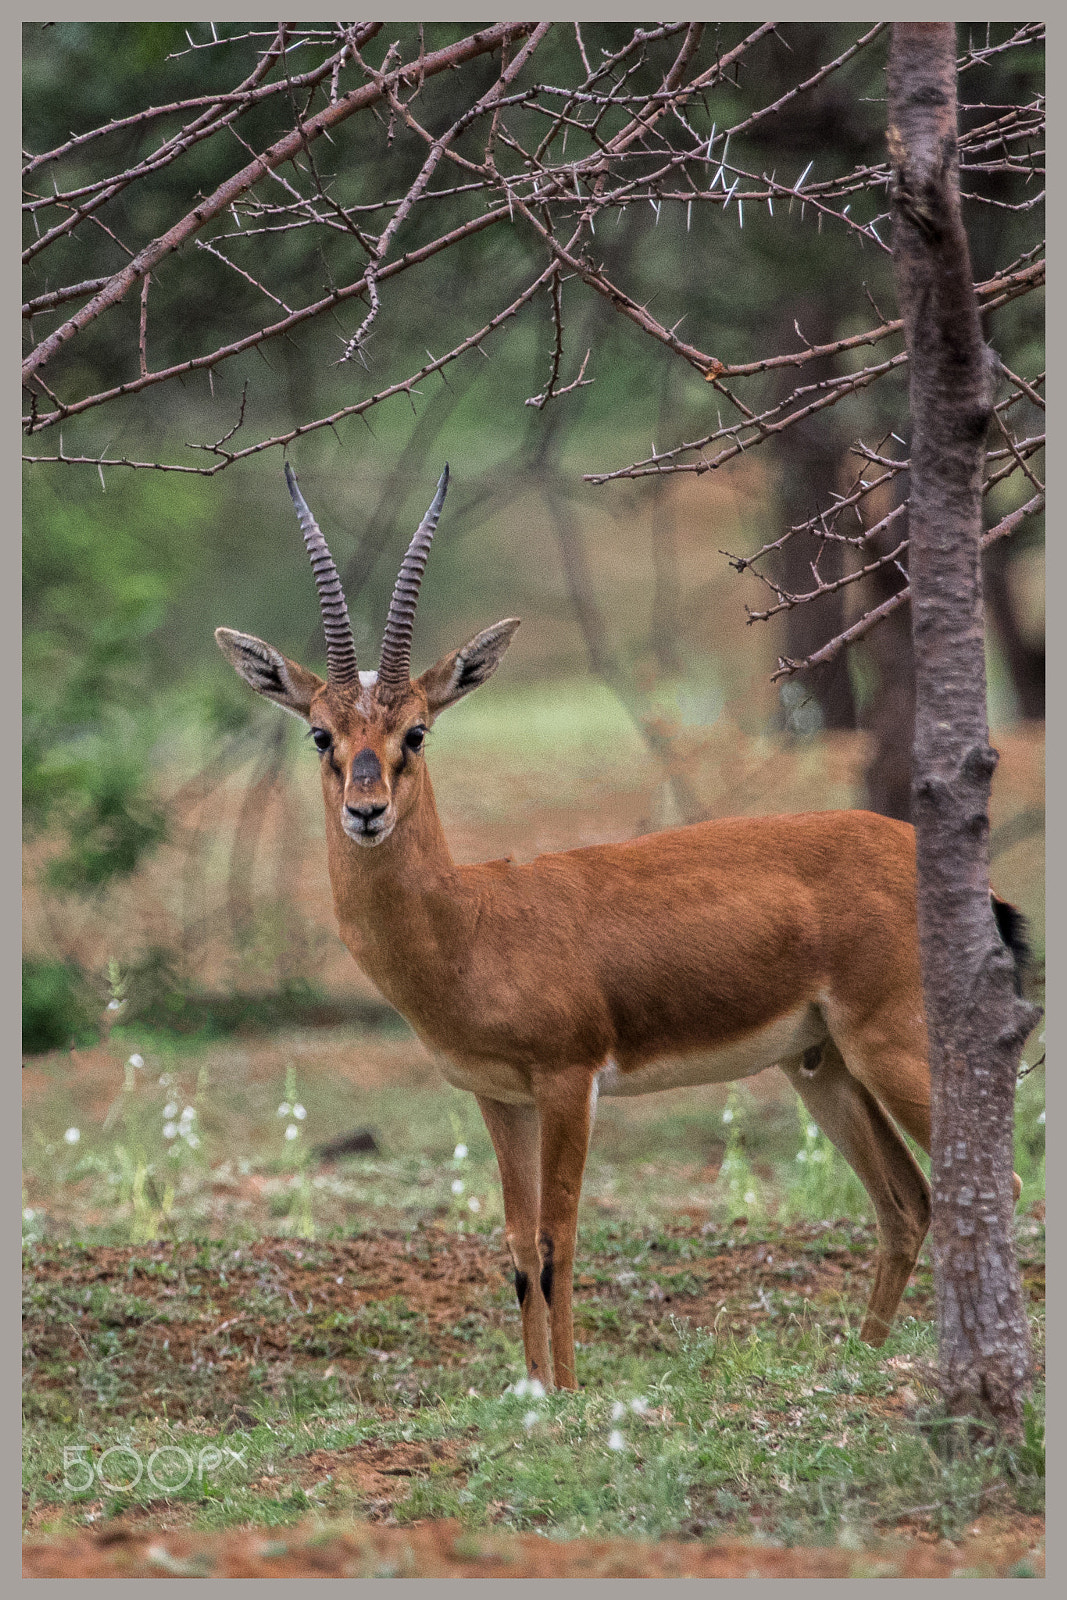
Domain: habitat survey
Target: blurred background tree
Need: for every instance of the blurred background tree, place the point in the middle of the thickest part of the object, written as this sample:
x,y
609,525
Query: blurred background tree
x,y
536,251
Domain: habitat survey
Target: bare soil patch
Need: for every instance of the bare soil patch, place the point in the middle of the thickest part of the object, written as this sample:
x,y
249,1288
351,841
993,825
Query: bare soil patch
x,y
223,1311
445,1550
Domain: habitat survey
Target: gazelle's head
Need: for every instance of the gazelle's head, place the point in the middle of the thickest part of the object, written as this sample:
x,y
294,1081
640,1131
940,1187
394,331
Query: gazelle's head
x,y
368,727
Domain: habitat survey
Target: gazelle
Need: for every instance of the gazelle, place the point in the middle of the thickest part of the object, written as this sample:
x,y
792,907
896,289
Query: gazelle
x,y
698,955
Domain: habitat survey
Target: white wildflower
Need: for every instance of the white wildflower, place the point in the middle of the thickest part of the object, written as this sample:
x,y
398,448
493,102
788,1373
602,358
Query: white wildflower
x,y
527,1386
170,1109
529,1419
1041,1119
728,1115
750,1198
72,1135
299,1112
616,1440
474,1204
292,1131
460,1152
192,1140
285,1109
618,1411
136,1061
458,1186
640,1405
170,1129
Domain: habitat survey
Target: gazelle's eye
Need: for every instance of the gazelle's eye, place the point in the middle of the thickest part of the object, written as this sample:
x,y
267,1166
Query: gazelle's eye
x,y
322,739
414,737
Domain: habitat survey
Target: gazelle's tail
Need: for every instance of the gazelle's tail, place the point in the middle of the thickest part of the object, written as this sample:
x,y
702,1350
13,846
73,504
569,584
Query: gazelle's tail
x,y
1011,925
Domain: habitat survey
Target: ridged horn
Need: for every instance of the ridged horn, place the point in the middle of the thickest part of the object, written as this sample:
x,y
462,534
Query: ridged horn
x,y
340,646
394,669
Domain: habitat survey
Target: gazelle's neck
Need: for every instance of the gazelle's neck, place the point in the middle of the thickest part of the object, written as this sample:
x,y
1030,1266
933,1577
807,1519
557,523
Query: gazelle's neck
x,y
382,893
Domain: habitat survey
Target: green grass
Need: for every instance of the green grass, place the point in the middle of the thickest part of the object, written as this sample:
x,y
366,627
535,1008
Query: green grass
x,y
724,1387
782,1433
123,1180
524,722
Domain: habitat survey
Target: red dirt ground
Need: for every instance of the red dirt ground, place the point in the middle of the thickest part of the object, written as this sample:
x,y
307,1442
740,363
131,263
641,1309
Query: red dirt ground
x,y
441,1276
445,1275
445,1550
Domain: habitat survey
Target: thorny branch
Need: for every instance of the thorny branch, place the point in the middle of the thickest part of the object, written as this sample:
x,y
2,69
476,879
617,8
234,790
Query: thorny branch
x,y
662,122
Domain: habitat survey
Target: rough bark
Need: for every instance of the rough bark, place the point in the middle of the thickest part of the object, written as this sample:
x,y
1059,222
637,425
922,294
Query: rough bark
x,y
976,1022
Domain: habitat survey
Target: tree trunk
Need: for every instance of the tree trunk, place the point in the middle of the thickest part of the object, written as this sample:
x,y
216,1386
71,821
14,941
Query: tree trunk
x,y
976,1022
809,459
890,715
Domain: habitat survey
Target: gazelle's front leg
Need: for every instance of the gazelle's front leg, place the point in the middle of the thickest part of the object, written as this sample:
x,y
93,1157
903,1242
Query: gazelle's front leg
x,y
514,1130
565,1101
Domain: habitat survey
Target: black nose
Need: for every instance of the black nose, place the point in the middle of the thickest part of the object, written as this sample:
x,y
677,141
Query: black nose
x,y
369,812
366,768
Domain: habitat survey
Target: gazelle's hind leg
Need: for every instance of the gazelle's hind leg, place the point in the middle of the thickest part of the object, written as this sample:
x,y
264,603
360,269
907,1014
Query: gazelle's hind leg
x,y
854,1121
903,1088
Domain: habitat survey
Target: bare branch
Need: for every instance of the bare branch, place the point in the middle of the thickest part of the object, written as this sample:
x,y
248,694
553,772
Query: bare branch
x,y
551,167
59,297
94,195
404,386
283,150
241,97
275,330
142,342
829,652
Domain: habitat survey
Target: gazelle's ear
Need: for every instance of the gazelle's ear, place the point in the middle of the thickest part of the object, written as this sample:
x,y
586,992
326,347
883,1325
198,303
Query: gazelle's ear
x,y
466,668
268,672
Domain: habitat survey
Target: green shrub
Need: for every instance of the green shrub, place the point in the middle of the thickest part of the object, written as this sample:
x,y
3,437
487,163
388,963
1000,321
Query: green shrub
x,y
58,1007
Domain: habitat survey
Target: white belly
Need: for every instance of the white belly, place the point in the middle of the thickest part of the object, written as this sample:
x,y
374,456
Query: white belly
x,y
787,1036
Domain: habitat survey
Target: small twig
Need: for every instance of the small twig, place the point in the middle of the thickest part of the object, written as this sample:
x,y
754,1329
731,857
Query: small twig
x,y
216,448
1027,388
58,297
142,342
833,648
206,244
